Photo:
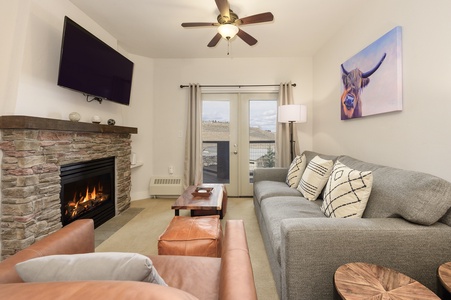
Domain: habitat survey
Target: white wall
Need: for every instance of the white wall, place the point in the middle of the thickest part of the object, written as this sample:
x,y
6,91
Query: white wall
x,y
31,32
417,137
170,100
140,114
158,104
38,94
14,16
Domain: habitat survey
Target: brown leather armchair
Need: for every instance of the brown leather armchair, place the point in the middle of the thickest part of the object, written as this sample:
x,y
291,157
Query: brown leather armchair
x,y
188,277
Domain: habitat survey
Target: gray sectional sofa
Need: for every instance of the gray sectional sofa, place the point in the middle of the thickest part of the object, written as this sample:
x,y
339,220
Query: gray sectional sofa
x,y
405,226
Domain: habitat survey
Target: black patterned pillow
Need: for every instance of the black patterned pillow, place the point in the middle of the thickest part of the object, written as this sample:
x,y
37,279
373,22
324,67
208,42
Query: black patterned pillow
x,y
315,177
295,171
347,192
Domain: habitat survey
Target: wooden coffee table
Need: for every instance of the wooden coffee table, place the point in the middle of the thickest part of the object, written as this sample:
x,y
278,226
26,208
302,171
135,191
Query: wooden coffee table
x,y
367,281
213,204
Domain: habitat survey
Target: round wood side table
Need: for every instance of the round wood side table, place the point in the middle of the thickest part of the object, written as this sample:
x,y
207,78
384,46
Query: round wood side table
x,y
444,275
367,281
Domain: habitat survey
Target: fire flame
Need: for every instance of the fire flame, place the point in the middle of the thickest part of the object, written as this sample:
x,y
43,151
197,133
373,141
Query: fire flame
x,y
82,203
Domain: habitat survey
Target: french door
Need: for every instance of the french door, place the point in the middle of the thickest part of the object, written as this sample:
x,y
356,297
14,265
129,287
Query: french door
x,y
238,134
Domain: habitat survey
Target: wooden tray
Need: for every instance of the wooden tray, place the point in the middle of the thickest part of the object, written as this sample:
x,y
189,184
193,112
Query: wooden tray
x,y
202,191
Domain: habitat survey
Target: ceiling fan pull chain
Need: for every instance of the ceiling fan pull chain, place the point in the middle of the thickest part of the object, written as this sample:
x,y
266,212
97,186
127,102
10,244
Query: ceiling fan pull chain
x,y
228,46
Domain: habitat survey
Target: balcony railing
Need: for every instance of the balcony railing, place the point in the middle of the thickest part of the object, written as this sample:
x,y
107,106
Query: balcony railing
x,y
215,156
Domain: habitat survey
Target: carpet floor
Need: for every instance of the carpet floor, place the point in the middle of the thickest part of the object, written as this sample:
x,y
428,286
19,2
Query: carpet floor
x,y
138,228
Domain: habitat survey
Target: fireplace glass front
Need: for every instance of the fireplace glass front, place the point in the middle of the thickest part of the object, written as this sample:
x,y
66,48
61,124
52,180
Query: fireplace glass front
x,y
87,191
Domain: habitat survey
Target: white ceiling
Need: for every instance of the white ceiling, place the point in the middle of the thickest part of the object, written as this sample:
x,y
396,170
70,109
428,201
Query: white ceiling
x,y
152,28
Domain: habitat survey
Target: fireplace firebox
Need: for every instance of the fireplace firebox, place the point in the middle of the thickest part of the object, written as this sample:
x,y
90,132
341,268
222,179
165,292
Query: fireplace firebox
x,y
88,191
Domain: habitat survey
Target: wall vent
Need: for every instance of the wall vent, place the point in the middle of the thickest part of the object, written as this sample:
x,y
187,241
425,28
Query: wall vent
x,y
165,186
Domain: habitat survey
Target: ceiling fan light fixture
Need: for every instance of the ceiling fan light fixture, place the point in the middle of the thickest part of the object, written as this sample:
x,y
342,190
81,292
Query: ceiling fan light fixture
x,y
228,31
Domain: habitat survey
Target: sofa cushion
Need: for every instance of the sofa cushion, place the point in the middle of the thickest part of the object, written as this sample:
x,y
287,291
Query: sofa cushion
x,y
266,189
276,209
90,266
417,197
92,290
295,171
346,193
446,219
198,275
315,177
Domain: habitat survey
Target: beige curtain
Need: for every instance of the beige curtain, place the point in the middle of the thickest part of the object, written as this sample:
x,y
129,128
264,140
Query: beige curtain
x,y
283,157
193,142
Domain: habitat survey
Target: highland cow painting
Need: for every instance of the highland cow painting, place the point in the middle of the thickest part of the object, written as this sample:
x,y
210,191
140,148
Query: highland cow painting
x,y
372,79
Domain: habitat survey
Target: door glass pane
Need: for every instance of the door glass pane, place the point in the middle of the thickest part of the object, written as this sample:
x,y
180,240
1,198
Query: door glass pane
x,y
262,134
215,141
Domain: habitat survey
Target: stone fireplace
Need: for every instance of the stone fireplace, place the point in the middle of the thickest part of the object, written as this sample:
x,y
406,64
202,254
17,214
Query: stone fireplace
x,y
33,152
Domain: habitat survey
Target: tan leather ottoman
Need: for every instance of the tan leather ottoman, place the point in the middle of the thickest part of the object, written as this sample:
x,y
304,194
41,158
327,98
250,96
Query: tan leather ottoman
x,y
193,236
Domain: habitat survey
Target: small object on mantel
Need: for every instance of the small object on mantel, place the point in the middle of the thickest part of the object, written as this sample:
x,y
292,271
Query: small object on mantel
x,y
96,119
111,122
74,116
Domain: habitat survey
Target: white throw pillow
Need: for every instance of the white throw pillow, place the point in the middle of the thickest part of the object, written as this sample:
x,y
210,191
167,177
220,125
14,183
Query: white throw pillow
x,y
295,171
90,266
315,177
347,192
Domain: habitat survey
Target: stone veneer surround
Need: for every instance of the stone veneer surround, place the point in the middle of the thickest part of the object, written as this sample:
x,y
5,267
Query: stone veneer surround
x,y
33,151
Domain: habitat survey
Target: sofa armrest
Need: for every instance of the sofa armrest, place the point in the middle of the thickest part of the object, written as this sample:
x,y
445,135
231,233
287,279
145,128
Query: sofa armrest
x,y
312,250
99,290
237,277
272,174
75,238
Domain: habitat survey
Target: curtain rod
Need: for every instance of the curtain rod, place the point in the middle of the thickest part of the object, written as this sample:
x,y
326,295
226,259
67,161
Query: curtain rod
x,y
237,85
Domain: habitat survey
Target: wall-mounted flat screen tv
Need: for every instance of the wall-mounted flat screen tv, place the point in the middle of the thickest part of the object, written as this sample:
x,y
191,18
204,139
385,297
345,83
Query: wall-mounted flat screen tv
x,y
90,66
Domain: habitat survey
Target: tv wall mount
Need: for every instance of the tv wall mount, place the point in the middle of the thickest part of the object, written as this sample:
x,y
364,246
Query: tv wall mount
x,y
93,98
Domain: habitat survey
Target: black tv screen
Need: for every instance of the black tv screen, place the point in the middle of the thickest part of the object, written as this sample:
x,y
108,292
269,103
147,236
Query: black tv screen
x,y
90,66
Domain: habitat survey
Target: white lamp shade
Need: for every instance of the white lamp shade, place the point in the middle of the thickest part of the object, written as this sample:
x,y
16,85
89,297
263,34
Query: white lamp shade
x,y
228,31
296,113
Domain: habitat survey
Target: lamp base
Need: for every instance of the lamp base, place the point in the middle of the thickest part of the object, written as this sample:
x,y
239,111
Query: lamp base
x,y
292,142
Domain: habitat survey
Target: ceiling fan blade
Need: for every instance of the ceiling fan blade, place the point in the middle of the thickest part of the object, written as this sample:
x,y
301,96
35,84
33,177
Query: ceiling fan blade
x,y
224,8
259,18
199,24
214,40
250,40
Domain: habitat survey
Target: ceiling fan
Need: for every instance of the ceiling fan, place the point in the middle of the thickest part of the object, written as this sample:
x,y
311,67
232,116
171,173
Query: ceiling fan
x,y
229,22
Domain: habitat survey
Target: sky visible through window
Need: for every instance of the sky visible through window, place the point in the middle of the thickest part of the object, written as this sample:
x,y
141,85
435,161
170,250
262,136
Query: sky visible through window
x,y
262,113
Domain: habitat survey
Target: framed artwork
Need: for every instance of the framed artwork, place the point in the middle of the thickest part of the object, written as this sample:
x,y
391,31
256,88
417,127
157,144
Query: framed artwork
x,y
372,79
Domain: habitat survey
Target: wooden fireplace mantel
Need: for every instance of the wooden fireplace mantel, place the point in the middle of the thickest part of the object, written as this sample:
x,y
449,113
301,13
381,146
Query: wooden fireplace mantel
x,y
38,123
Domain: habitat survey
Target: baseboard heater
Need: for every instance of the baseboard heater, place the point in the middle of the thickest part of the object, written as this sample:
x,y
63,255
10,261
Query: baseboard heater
x,y
165,186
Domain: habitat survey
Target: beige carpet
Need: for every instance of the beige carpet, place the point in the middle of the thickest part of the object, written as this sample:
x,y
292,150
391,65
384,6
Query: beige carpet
x,y
138,228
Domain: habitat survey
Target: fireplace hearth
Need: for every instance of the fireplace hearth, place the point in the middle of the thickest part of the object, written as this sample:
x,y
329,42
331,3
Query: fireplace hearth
x,y
87,191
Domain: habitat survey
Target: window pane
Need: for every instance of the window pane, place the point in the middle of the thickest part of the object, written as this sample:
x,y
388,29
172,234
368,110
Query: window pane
x,y
262,134
216,139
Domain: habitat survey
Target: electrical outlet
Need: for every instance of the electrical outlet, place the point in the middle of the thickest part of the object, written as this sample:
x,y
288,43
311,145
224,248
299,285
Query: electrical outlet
x,y
171,170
